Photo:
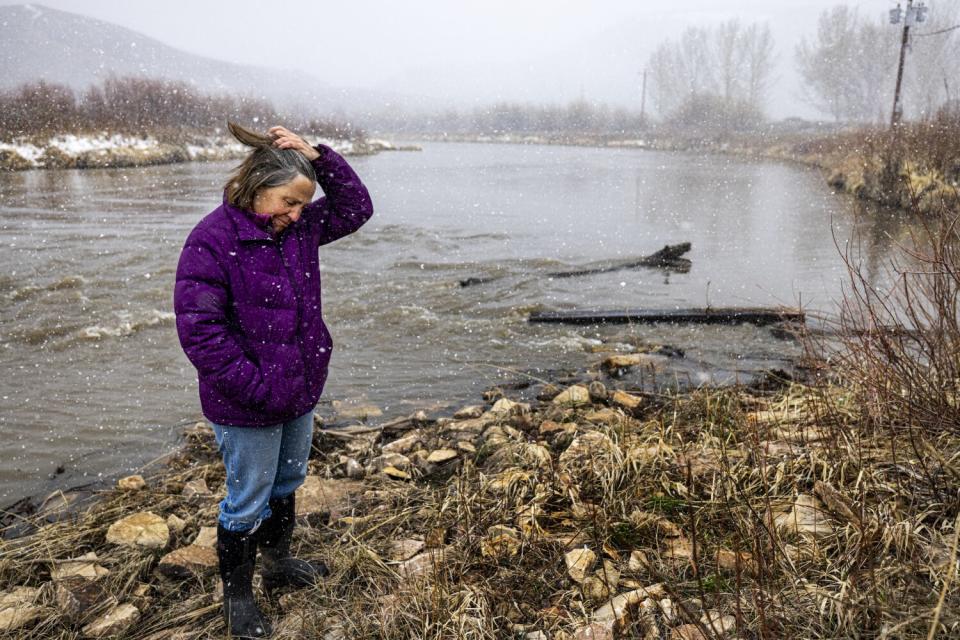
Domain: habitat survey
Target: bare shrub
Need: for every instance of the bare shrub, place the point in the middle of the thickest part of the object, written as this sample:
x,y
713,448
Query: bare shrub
x,y
902,342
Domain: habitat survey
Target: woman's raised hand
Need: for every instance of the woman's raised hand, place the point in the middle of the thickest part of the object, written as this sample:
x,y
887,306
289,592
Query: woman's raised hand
x,y
285,139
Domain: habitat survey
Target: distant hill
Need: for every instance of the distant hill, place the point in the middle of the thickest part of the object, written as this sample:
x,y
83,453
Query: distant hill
x,y
37,42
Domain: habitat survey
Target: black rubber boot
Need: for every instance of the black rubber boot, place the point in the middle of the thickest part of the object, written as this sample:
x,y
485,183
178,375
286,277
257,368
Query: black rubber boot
x,y
238,554
274,538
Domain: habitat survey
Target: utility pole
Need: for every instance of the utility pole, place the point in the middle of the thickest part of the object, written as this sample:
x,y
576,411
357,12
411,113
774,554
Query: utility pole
x,y
643,100
913,15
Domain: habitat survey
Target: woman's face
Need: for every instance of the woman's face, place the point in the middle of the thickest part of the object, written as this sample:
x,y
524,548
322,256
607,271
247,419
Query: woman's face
x,y
286,202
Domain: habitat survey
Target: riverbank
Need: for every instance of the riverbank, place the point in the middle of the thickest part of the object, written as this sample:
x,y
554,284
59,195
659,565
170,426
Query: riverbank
x,y
910,173
579,507
105,150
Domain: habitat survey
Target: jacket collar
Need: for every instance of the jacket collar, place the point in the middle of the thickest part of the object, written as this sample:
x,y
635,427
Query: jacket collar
x,y
250,226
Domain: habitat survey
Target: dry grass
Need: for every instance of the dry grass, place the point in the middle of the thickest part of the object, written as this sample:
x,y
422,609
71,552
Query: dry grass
x,y
694,483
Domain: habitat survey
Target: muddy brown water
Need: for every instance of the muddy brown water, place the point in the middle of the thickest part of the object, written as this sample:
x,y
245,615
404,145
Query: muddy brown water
x,y
95,384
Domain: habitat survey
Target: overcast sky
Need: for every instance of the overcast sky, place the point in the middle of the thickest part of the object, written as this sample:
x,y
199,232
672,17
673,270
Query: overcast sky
x,y
465,52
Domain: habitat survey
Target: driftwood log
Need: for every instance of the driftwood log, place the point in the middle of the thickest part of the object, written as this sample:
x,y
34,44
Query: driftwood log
x,y
720,315
670,257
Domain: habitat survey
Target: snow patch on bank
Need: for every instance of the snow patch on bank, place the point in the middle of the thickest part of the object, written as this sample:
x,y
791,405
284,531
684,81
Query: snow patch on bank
x,y
116,150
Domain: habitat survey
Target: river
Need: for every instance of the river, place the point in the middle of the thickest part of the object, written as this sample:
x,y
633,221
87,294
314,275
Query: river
x,y
95,384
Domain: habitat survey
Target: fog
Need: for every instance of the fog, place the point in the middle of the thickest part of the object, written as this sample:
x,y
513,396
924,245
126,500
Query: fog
x,y
436,54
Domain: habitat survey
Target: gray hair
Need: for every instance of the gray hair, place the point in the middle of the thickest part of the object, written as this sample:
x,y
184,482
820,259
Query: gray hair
x,y
265,167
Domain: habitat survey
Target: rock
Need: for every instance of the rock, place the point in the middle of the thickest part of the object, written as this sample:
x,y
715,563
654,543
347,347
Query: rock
x,y
75,597
605,416
548,392
625,609
472,426
687,632
206,537
196,489
504,407
187,561
10,160
141,596
638,561
403,445
292,625
615,362
466,446
18,607
508,480
731,562
573,396
397,460
423,565
354,469
58,503
131,483
405,549
472,411
579,563
419,460
318,496
356,412
677,548
535,635
806,516
493,393
609,574
550,428
392,472
594,631
176,523
498,436
84,566
441,455
597,391
594,589
500,542
114,622
199,430
55,158
527,519
717,623
144,529
626,400
669,614
519,456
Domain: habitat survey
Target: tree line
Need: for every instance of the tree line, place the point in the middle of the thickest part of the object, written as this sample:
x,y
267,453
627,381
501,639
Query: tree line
x,y
143,106
719,77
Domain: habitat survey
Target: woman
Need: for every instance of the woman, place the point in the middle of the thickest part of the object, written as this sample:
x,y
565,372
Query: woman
x,y
247,301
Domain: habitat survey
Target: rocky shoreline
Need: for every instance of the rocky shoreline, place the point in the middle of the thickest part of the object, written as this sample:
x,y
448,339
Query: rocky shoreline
x,y
576,508
104,150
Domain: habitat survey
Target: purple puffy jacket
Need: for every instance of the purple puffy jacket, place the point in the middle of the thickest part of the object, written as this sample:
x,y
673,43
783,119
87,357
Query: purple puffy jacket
x,y
248,304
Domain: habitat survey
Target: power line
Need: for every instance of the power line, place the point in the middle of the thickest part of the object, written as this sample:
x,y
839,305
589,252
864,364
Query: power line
x,y
936,33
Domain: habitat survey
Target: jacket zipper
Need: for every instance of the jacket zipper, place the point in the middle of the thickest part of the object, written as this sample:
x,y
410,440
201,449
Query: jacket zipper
x,y
296,294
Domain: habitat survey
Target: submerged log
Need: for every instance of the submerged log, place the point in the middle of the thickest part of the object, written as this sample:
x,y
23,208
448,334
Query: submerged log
x,y
670,257
667,258
720,315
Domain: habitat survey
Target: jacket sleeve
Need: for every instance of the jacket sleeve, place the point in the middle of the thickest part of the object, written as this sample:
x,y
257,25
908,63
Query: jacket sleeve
x,y
346,205
200,302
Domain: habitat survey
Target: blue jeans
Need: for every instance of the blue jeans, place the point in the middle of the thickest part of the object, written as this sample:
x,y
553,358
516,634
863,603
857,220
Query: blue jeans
x,y
262,463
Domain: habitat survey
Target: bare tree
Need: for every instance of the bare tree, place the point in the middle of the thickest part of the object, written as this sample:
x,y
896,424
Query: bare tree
x,y
849,69
727,66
